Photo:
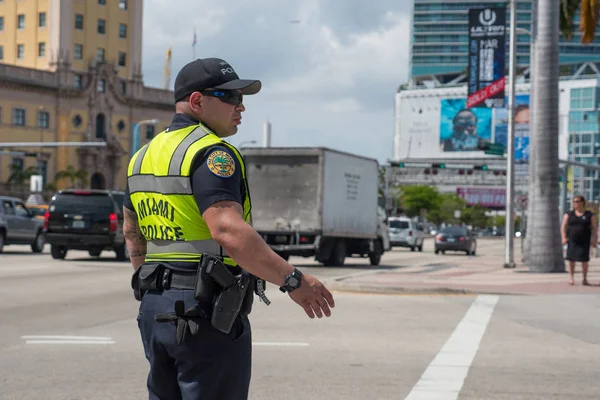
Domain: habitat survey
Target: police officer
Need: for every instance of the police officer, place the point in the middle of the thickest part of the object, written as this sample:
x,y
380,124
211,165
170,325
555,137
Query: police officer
x,y
188,201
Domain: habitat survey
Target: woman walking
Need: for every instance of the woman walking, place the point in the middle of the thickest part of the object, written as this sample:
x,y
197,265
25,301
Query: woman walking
x,y
578,232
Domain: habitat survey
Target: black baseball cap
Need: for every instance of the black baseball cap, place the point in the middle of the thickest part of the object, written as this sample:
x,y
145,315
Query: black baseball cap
x,y
205,73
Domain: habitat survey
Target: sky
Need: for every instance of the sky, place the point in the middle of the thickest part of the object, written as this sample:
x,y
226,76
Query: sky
x,y
329,68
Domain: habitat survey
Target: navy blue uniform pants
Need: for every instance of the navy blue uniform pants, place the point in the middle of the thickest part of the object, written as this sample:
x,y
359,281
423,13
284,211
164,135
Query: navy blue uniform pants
x,y
208,365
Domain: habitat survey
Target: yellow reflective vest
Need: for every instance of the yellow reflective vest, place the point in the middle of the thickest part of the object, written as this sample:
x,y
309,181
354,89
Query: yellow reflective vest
x,y
160,187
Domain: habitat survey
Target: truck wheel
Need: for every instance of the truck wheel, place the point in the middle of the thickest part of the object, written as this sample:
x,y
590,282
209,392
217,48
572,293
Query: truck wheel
x,y
338,254
375,256
94,252
58,253
1,240
38,244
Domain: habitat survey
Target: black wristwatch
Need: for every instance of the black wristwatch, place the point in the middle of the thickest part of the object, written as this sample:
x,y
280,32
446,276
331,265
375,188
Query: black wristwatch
x,y
292,281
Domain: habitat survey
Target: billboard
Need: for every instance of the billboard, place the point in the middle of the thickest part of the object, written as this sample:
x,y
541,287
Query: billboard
x,y
521,127
461,128
491,197
487,57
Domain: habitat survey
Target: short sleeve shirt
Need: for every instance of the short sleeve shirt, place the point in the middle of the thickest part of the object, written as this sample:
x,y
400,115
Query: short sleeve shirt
x,y
216,174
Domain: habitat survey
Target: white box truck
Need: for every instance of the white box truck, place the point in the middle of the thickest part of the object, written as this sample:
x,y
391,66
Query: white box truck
x,y
317,202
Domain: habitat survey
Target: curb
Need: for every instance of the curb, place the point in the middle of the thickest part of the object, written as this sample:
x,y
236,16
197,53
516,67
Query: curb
x,y
377,289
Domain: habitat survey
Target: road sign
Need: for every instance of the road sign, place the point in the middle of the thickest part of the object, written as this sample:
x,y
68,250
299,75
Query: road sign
x,y
522,201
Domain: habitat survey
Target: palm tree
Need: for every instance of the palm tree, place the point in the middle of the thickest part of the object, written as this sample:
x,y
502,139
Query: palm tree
x,y
75,176
589,10
18,175
544,250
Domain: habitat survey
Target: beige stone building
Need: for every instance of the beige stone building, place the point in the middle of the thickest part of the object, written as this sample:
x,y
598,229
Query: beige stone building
x,y
83,83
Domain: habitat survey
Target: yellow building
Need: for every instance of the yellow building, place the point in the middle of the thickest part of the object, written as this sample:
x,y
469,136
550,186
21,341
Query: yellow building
x,y
42,34
61,81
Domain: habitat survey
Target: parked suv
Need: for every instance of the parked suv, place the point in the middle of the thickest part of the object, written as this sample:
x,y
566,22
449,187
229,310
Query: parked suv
x,y
404,232
18,225
89,220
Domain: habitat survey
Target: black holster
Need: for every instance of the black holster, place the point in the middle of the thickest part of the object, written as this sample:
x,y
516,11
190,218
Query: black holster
x,y
146,277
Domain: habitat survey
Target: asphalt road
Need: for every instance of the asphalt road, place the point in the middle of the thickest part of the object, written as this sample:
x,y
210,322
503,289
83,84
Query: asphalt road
x,y
373,347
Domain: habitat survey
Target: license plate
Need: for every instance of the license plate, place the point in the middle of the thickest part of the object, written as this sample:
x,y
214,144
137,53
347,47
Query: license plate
x,y
451,240
78,224
281,239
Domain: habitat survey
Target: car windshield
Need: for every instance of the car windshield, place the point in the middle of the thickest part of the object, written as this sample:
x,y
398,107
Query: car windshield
x,y
71,202
455,231
399,224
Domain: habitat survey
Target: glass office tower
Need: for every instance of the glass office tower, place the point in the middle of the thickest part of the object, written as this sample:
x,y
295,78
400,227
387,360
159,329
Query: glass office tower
x,y
440,38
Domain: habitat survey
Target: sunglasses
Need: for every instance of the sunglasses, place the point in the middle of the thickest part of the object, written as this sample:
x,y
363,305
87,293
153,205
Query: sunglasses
x,y
232,97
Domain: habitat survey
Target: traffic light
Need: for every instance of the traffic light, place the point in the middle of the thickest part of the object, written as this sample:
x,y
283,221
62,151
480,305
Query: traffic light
x,y
481,167
441,166
397,164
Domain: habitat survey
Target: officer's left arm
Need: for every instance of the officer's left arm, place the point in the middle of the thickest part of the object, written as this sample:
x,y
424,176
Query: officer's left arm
x,y
134,238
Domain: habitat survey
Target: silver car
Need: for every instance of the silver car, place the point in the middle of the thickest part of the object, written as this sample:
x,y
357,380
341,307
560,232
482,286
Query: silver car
x,y
18,225
405,232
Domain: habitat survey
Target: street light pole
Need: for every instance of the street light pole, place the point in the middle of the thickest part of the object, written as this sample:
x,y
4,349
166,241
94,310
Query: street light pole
x,y
135,134
510,143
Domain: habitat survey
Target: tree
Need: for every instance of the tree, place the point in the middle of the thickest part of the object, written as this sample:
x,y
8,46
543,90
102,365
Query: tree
x,y
75,176
589,11
474,216
543,250
416,198
447,204
18,175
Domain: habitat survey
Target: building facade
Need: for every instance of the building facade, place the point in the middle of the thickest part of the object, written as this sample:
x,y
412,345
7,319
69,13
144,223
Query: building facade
x,y
428,118
46,106
70,71
440,39
44,34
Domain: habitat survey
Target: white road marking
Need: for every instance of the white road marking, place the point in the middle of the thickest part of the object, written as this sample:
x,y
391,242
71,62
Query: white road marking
x,y
284,344
444,377
51,339
70,342
58,337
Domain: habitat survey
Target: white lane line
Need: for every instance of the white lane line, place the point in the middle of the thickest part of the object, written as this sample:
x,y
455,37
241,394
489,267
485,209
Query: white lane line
x,y
444,377
57,339
284,344
70,342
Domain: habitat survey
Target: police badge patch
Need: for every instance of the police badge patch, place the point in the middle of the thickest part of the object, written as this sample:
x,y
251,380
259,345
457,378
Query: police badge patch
x,y
221,164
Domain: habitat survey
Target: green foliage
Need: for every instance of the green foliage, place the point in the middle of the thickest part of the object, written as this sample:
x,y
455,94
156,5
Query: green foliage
x,y
447,204
18,176
417,198
75,176
474,216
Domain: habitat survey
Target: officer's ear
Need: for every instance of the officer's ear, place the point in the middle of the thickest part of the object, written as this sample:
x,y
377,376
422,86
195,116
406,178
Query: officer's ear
x,y
196,101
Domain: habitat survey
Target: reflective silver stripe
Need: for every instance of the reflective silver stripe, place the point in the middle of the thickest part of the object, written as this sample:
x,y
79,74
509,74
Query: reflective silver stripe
x,y
160,184
193,246
137,166
178,155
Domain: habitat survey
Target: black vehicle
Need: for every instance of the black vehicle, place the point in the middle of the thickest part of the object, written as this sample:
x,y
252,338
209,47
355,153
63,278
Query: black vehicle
x,y
84,219
455,238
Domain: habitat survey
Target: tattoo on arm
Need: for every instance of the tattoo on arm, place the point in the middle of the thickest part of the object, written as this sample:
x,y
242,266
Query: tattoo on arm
x,y
136,242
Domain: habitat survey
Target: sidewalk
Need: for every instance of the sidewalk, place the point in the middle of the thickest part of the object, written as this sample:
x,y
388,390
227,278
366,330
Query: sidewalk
x,y
470,274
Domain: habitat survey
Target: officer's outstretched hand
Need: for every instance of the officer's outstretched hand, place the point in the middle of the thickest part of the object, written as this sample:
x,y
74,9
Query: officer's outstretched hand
x,y
313,296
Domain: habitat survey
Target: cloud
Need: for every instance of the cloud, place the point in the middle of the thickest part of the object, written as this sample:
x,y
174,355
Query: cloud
x,y
330,68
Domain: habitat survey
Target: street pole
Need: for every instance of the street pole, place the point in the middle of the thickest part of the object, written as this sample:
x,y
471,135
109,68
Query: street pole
x,y
510,143
135,134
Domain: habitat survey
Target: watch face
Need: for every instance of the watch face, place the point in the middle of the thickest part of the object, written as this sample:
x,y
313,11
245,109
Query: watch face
x,y
293,281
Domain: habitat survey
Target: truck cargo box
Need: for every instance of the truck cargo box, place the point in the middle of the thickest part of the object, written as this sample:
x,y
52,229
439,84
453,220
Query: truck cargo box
x,y
313,190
